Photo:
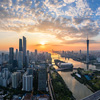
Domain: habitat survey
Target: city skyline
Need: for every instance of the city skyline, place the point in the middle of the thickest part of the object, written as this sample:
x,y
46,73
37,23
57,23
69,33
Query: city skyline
x,y
49,49
47,25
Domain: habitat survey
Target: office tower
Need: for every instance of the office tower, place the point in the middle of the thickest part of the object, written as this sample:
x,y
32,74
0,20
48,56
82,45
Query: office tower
x,y
3,82
11,55
15,63
0,68
0,60
35,51
20,45
80,51
20,60
27,82
16,56
24,50
3,57
6,57
5,73
35,54
32,57
5,77
27,58
16,77
87,57
42,75
63,54
30,71
20,55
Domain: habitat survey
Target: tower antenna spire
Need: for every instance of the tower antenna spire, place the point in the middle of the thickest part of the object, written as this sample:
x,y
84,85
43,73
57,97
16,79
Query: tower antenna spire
x,y
87,58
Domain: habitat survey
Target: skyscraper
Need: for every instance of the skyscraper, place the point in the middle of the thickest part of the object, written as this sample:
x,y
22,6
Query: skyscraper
x,y
35,51
11,55
27,82
20,55
20,45
16,77
87,57
35,54
20,60
6,57
27,58
24,50
30,71
5,73
2,57
16,56
42,77
80,51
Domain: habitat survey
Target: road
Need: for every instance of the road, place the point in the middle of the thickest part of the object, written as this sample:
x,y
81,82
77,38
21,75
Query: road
x,y
51,90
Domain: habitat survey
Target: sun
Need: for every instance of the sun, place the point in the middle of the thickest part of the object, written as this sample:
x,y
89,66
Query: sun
x,y
42,43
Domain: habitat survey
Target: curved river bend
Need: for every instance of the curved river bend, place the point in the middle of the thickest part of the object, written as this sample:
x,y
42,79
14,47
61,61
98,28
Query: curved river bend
x,y
79,90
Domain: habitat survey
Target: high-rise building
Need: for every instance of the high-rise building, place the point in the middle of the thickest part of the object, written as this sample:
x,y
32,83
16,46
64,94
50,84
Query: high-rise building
x,y
80,51
15,64
16,77
20,60
35,54
32,57
4,77
5,73
20,45
87,57
24,50
20,55
35,51
3,82
6,57
27,82
30,71
42,77
11,55
16,56
3,57
27,58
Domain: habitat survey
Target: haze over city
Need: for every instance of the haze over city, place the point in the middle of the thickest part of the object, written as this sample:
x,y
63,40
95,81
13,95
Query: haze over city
x,y
50,24
49,49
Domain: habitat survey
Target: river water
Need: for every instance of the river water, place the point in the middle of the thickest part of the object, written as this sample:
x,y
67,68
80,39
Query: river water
x,y
79,90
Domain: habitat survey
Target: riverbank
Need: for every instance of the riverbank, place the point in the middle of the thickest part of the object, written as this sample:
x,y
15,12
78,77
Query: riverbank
x,y
84,61
89,78
61,90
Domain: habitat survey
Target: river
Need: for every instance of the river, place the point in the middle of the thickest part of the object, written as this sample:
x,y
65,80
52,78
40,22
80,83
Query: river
x,y
79,90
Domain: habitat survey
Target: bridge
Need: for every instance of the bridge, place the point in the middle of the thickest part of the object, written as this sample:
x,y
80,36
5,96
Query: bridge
x,y
59,69
94,96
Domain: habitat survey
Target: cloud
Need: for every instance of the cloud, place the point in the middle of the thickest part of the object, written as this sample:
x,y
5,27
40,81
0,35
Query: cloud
x,y
66,19
79,41
98,12
69,1
48,45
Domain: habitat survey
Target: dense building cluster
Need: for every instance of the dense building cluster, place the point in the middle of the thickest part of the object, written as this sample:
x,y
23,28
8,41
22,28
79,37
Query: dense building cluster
x,y
20,69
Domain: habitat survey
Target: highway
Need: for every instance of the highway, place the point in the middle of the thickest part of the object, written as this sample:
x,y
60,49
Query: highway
x,y
51,90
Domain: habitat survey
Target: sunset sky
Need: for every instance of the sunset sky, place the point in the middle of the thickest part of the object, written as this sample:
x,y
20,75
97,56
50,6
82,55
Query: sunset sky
x,y
50,24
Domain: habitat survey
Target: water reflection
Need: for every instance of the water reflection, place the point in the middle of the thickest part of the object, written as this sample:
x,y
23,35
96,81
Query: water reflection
x,y
79,64
79,90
